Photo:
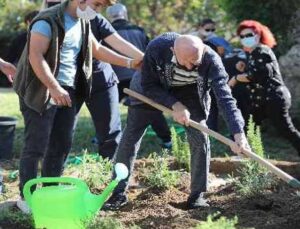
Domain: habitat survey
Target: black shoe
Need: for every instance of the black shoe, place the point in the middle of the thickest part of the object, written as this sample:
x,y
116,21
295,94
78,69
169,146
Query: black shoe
x,y
196,201
115,202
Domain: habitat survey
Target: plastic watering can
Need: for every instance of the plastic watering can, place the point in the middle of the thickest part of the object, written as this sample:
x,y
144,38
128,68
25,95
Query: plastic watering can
x,y
69,205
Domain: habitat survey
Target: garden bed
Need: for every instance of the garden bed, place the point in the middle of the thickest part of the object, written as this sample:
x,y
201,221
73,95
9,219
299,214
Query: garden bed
x,y
151,208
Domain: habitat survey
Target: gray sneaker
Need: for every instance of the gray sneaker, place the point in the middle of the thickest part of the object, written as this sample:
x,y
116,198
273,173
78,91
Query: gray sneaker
x,y
197,201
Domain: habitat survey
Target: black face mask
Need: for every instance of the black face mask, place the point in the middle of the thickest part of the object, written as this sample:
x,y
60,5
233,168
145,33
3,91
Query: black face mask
x,y
50,4
183,67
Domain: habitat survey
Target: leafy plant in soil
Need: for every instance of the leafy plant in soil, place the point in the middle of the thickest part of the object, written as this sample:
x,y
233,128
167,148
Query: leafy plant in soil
x,y
222,222
181,150
254,179
108,223
158,175
15,219
94,170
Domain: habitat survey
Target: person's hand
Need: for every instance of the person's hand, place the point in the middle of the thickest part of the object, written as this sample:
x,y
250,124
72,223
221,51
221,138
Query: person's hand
x,y
181,114
137,64
241,143
8,69
60,96
240,66
232,82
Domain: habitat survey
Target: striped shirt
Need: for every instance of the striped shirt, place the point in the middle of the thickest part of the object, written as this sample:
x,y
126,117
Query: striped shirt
x,y
181,77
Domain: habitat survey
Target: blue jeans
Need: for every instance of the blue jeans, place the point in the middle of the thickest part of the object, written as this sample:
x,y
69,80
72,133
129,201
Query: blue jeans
x,y
103,105
48,136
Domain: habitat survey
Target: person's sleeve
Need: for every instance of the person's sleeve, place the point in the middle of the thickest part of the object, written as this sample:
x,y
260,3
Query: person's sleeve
x,y
260,68
151,84
104,27
218,79
42,27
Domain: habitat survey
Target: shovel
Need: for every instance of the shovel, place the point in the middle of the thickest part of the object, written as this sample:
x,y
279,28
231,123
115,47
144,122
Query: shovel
x,y
293,182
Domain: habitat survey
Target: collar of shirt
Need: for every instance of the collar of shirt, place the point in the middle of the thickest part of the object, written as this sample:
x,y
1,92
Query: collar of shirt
x,y
174,60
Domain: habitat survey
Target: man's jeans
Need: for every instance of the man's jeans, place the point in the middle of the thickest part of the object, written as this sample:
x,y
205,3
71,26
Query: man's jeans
x,y
198,141
48,136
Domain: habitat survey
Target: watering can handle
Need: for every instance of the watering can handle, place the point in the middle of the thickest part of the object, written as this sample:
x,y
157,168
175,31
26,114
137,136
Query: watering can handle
x,y
27,192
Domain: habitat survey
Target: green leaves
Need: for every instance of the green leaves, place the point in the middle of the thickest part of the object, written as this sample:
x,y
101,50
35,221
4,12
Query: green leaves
x,y
181,150
158,174
254,179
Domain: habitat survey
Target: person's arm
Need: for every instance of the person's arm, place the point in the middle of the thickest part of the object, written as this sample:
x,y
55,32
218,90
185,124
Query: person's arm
x,y
239,78
102,53
227,103
39,44
121,45
8,69
258,70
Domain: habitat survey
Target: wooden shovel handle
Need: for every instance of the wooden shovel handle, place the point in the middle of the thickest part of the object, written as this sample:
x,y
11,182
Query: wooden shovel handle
x,y
281,174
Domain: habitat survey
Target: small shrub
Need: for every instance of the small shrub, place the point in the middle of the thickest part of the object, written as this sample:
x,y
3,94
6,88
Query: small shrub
x,y
181,150
254,179
15,219
158,174
220,223
93,169
107,223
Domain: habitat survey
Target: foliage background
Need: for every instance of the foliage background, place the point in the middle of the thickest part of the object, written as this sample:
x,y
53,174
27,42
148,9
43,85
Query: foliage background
x,y
158,16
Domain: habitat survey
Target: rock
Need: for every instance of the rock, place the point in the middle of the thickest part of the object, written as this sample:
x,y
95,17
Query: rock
x,y
290,69
290,66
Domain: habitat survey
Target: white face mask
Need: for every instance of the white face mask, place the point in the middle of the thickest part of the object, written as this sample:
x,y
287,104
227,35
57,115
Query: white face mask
x,y
250,42
87,14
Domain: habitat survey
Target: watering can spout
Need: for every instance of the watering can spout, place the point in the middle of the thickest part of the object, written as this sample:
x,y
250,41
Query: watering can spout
x,y
97,201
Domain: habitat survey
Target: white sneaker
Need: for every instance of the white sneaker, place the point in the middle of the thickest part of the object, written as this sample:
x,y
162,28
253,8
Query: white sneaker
x,y
23,206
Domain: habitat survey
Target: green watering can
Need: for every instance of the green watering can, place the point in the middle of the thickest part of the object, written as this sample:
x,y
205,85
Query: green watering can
x,y
69,205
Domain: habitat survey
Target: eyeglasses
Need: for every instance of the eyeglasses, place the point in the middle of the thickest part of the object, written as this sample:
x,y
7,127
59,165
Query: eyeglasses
x,y
210,30
247,35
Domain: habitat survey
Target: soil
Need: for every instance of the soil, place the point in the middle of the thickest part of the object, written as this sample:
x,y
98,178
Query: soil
x,y
151,208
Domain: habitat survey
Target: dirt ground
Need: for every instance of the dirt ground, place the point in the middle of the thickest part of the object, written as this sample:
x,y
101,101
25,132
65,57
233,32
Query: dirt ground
x,y
150,208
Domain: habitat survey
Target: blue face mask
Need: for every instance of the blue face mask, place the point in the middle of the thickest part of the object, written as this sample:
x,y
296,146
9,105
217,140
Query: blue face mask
x,y
249,42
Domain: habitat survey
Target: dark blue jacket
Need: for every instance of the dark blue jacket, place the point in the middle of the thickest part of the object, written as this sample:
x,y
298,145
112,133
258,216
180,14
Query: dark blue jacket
x,y
103,74
157,73
136,36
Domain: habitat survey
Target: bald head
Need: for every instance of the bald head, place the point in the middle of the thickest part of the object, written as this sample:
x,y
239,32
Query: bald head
x,y
188,50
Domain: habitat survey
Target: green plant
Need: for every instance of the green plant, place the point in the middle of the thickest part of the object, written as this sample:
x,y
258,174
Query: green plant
x,y
220,223
15,219
254,179
93,169
158,174
107,223
181,150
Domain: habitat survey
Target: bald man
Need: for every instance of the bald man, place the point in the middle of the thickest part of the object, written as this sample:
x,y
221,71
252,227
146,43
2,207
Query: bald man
x,y
178,72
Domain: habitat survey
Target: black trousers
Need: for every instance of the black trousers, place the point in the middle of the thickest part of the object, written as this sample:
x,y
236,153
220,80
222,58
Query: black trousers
x,y
103,105
47,136
276,108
